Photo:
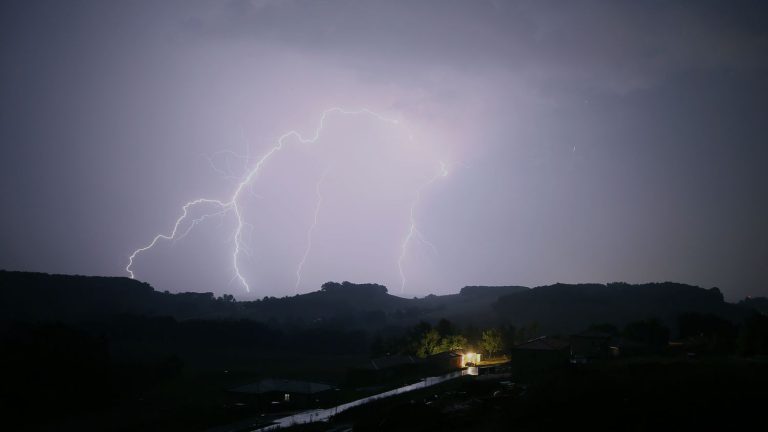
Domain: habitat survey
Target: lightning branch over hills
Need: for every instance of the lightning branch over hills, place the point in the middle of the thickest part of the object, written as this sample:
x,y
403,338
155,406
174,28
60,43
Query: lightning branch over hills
x,y
217,207
413,231
318,204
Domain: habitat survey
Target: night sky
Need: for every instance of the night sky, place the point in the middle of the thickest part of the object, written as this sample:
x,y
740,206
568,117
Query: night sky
x,y
584,141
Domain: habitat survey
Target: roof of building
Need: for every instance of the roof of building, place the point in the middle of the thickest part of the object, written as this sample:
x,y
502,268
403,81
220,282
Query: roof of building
x,y
592,334
445,355
282,385
387,362
544,343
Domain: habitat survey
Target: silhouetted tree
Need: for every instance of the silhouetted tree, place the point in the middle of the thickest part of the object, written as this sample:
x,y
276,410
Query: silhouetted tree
x,y
453,342
491,342
227,298
429,343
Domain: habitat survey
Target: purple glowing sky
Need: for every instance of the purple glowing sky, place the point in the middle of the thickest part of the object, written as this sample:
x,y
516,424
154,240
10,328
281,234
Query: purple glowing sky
x,y
586,141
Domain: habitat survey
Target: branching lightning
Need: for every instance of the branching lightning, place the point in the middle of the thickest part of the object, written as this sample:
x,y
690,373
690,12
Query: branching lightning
x,y
174,232
413,231
184,224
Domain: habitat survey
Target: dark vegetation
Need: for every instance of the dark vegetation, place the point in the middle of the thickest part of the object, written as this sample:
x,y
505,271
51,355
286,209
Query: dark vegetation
x,y
649,394
571,308
100,353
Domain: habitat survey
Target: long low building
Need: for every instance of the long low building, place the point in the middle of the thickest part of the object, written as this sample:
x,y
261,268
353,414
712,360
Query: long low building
x,y
383,370
540,354
284,391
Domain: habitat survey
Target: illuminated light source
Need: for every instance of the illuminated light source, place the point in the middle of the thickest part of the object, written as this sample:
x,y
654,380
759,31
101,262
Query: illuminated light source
x,y
470,358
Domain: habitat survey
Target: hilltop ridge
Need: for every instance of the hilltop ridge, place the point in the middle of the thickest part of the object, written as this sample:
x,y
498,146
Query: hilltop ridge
x,y
556,308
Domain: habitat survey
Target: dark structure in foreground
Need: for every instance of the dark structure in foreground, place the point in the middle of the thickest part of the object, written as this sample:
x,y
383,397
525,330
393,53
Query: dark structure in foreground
x,y
283,393
540,354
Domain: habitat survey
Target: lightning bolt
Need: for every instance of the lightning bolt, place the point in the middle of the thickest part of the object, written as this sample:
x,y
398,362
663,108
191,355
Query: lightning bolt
x,y
232,205
174,232
413,231
318,204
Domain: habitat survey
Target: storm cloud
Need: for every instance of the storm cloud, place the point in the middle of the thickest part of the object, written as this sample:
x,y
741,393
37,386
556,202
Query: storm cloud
x,y
587,141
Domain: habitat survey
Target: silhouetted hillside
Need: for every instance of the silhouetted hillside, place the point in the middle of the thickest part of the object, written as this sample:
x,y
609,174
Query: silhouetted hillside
x,y
41,296
570,308
81,346
356,304
471,306
481,290
555,308
759,304
69,298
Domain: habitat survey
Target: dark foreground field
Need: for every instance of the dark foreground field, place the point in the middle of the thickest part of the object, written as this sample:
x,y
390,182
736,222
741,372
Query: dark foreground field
x,y
638,395
98,354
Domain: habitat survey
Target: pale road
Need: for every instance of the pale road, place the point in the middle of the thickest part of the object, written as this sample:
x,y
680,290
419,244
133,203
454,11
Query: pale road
x,y
325,414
